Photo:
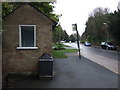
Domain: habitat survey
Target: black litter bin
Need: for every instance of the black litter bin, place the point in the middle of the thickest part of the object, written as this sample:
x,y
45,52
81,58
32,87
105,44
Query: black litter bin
x,y
45,66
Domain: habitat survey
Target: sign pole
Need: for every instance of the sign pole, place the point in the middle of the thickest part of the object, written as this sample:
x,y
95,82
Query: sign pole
x,y
75,29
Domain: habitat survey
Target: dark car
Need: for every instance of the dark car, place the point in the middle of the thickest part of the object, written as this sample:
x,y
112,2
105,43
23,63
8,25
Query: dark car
x,y
108,45
87,44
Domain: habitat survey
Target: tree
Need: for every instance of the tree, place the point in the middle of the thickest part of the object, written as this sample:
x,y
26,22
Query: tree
x,y
114,26
95,30
8,7
73,37
59,34
45,7
66,36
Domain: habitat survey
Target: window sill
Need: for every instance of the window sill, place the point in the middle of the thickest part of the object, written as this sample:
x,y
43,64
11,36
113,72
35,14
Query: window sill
x,y
27,47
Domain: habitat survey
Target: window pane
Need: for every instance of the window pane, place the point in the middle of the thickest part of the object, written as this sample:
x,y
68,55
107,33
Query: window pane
x,y
27,36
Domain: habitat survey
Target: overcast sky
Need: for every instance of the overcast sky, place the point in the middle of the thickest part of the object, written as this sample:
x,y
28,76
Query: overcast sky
x,y
77,11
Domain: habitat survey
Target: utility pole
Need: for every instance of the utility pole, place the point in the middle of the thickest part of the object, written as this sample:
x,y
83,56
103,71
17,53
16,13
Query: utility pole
x,y
78,44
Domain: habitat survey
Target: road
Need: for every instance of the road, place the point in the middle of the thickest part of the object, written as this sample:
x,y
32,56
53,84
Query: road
x,y
106,58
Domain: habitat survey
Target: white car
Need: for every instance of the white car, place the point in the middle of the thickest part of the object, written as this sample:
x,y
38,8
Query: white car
x,y
108,45
87,44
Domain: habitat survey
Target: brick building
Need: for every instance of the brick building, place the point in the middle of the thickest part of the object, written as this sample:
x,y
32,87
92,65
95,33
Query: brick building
x,y
26,36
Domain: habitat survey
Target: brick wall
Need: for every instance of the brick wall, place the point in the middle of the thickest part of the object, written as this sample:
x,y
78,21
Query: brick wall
x,y
25,61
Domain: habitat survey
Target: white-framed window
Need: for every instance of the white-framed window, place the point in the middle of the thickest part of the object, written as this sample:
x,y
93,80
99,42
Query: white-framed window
x,y
27,37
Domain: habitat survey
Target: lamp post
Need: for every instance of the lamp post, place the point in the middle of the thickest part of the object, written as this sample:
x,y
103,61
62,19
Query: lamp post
x,y
106,31
74,26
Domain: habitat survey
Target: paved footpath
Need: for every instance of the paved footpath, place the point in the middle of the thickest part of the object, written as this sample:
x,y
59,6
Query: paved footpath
x,y
73,72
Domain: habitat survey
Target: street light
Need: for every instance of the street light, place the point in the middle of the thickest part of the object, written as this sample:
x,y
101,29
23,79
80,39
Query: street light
x,y
74,26
106,25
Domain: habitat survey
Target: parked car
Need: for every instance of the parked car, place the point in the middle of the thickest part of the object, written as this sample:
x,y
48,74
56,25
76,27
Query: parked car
x,y
87,44
108,45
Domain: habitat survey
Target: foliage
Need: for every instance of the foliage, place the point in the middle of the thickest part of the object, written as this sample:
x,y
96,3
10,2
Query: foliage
x,y
102,26
61,53
66,36
8,7
45,7
59,46
114,26
73,38
59,34
95,31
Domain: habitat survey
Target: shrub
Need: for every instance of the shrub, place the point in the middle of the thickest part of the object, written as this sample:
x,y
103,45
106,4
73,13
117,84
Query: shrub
x,y
59,46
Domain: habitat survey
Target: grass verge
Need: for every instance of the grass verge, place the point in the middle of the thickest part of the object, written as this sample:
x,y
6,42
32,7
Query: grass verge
x,y
61,53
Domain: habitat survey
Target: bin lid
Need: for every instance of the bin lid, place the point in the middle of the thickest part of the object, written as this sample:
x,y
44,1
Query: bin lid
x,y
46,56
